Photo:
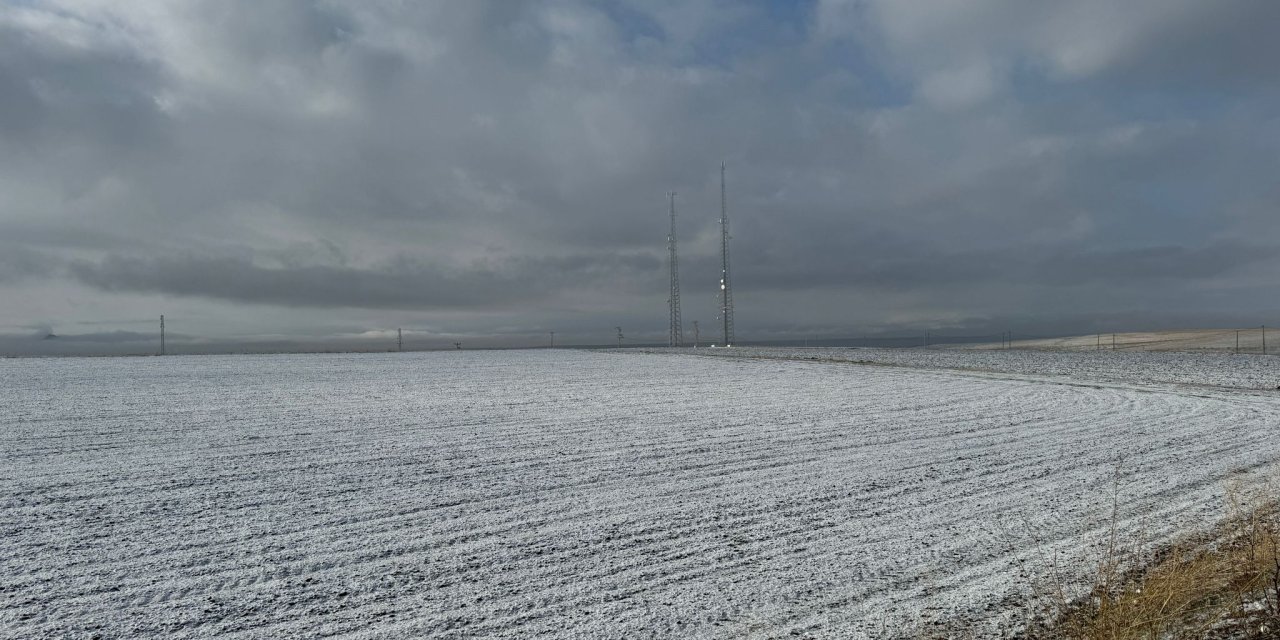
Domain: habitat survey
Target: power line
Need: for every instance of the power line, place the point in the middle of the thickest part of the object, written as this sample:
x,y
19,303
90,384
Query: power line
x,y
676,330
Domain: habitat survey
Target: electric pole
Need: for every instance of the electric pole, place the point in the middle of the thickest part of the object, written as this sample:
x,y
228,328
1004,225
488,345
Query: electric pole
x,y
162,334
399,339
695,334
619,336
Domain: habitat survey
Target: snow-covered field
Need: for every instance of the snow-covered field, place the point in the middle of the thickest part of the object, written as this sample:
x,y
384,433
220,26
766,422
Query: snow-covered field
x,y
579,494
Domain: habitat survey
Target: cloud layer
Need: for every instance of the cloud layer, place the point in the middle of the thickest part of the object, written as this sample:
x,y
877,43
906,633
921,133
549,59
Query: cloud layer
x,y
309,169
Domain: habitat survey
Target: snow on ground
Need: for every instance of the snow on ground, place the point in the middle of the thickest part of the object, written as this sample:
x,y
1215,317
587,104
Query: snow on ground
x,y
1248,340
1243,371
573,494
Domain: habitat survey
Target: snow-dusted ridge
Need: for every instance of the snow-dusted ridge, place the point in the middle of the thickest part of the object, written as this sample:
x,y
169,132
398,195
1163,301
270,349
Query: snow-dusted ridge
x,y
581,495
1220,369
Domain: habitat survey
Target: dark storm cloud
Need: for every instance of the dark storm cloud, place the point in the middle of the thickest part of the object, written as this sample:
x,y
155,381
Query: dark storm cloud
x,y
901,162
19,263
873,267
90,102
403,284
109,337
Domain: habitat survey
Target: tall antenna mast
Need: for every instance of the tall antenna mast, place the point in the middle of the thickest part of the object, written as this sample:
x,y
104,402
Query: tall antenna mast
x,y
726,291
677,334
161,334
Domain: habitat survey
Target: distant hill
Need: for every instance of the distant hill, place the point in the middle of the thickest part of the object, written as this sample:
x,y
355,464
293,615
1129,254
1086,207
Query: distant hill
x,y
1219,340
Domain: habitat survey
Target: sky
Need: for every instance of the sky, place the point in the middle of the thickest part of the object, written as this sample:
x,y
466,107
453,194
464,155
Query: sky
x,y
318,174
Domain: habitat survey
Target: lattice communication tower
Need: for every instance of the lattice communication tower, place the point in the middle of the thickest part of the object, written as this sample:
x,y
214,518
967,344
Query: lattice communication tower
x,y
726,287
676,330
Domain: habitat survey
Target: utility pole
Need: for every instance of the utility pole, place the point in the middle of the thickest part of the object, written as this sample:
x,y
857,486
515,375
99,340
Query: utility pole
x,y
399,339
695,334
1264,339
726,290
676,329
1113,342
162,334
1237,342
619,336
1099,342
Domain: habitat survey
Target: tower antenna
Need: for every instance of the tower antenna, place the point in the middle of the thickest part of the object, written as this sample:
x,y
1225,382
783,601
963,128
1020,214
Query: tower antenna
x,y
677,333
726,290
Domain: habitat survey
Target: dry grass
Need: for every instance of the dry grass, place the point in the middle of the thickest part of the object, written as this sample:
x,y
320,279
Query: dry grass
x,y
1222,585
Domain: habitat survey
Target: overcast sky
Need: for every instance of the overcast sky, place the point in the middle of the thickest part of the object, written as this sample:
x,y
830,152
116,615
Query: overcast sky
x,y
490,171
